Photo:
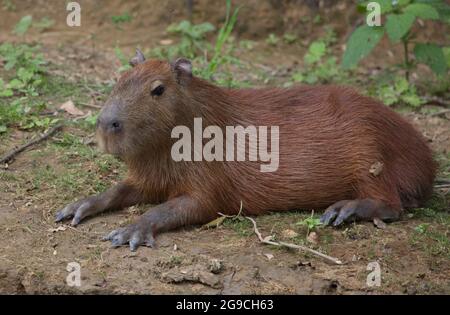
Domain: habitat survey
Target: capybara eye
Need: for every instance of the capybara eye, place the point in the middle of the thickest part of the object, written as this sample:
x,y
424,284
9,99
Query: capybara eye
x,y
157,88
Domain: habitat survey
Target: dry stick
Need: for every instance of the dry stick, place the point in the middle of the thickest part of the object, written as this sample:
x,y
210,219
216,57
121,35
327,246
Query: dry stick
x,y
93,92
16,151
90,105
442,112
304,248
266,241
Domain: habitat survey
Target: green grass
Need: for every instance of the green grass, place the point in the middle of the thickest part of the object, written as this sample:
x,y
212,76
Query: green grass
x,y
65,167
8,176
432,239
122,18
242,226
28,94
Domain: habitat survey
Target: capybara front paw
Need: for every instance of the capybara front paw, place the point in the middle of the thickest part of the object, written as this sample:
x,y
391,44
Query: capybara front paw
x,y
77,210
357,210
134,234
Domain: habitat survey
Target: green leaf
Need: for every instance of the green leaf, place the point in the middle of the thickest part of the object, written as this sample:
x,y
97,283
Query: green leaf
x,y
2,128
198,31
422,228
446,51
16,84
412,99
401,86
289,38
298,77
360,44
24,75
44,23
443,10
402,3
23,25
6,93
431,55
423,11
316,52
398,25
91,119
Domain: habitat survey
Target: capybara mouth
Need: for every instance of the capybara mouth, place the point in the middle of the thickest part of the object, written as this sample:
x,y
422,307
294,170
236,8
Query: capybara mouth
x,y
101,142
107,145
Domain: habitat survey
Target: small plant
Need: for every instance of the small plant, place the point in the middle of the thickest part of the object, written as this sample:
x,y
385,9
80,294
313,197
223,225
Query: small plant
x,y
249,45
193,38
272,39
9,115
91,120
319,64
23,25
122,18
28,70
289,38
317,19
124,61
311,223
400,17
422,228
44,24
224,34
8,5
193,45
24,68
38,122
398,91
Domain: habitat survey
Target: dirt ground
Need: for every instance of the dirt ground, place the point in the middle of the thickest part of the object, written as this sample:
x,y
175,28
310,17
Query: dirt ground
x,y
35,251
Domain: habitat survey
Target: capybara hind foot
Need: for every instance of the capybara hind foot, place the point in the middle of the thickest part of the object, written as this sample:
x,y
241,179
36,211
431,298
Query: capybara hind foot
x,y
358,210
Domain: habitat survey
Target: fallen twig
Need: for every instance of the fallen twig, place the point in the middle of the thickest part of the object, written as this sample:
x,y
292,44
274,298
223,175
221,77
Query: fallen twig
x,y
90,105
304,248
442,112
268,241
443,186
7,157
92,91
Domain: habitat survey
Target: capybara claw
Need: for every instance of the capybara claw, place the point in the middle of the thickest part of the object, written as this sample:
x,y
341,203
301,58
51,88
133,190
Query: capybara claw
x,y
59,216
77,211
357,210
328,216
134,235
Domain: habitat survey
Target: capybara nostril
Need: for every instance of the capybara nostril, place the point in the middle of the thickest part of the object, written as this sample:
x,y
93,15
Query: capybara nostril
x,y
109,124
115,126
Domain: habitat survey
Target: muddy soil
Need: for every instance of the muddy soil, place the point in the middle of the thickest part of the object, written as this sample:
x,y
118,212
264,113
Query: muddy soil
x,y
35,252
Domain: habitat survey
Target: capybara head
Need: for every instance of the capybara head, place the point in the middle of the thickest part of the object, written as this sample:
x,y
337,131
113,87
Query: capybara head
x,y
143,106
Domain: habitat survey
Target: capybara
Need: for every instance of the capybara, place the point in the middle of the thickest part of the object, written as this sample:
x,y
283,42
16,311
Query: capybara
x,y
337,149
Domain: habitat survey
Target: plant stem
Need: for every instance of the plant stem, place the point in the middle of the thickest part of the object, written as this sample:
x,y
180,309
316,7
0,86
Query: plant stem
x,y
405,49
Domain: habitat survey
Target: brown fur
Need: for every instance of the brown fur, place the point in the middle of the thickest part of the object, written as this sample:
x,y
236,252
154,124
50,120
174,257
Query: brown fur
x,y
329,138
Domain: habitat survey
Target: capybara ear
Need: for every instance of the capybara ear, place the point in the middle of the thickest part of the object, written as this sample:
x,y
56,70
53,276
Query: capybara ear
x,y
182,68
137,59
